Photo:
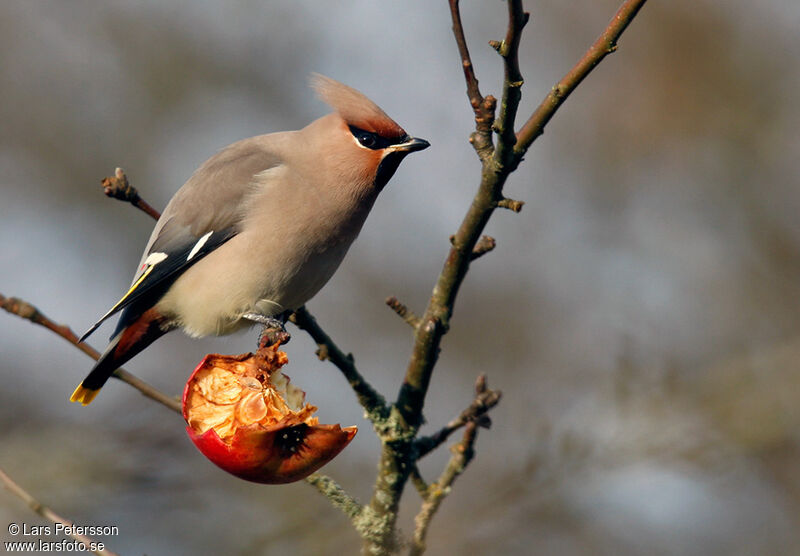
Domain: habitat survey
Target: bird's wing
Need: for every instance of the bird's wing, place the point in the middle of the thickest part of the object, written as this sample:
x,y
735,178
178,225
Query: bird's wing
x,y
162,267
203,214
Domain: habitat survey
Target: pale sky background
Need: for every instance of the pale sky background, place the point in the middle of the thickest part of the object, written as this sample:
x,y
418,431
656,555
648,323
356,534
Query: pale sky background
x,y
640,314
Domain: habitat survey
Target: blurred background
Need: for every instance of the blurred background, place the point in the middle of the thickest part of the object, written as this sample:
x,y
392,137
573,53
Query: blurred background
x,y
640,314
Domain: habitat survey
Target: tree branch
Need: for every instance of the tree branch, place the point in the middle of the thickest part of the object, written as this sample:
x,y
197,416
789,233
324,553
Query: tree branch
x,y
473,91
49,514
497,164
419,483
510,204
477,412
118,187
512,85
27,311
484,108
371,400
463,452
484,245
605,44
336,494
403,311
435,322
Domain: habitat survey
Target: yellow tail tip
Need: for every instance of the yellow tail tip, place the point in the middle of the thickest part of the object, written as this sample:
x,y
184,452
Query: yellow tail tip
x,y
83,395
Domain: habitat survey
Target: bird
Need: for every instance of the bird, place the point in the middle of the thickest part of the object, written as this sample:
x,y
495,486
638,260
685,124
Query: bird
x,y
258,229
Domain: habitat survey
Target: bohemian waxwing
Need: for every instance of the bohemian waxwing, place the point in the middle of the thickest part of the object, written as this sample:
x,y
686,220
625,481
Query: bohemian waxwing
x,y
258,229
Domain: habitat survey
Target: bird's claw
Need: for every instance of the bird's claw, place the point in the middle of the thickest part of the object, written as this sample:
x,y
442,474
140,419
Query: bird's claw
x,y
273,331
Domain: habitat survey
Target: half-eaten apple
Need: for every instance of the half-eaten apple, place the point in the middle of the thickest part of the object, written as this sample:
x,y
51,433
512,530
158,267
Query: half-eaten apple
x,y
247,418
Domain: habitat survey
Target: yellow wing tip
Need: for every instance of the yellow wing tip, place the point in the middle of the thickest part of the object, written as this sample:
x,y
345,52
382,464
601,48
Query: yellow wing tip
x,y
83,395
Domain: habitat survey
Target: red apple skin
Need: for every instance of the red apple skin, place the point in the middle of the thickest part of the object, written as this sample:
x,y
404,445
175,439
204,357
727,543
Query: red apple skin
x,y
261,455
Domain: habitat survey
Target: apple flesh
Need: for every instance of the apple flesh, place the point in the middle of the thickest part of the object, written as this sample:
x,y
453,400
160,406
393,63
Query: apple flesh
x,y
245,416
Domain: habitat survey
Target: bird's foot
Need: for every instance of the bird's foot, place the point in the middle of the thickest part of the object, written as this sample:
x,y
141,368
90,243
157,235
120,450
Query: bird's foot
x,y
270,322
274,329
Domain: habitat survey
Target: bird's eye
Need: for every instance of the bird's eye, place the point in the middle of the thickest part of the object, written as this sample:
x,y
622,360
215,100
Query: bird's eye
x,y
367,139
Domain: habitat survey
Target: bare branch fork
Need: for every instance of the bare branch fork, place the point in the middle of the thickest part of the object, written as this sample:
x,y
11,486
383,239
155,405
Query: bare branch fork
x,y
497,164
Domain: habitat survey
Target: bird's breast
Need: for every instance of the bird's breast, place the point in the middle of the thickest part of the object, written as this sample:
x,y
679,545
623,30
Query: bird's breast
x,y
286,252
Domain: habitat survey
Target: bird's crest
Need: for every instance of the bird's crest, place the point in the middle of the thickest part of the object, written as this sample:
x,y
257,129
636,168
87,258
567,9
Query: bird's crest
x,y
355,108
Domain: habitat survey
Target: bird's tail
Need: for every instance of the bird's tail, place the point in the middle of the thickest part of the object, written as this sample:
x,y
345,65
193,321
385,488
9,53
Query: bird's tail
x,y
128,342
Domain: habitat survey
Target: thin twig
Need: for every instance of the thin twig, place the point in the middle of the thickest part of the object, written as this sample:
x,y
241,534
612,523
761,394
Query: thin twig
x,y
477,412
419,483
27,311
403,311
336,494
463,452
605,44
484,108
473,91
484,245
371,400
52,516
512,85
118,187
510,204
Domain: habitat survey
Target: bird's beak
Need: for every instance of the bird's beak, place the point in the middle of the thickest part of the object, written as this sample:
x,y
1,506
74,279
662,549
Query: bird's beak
x,y
410,145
